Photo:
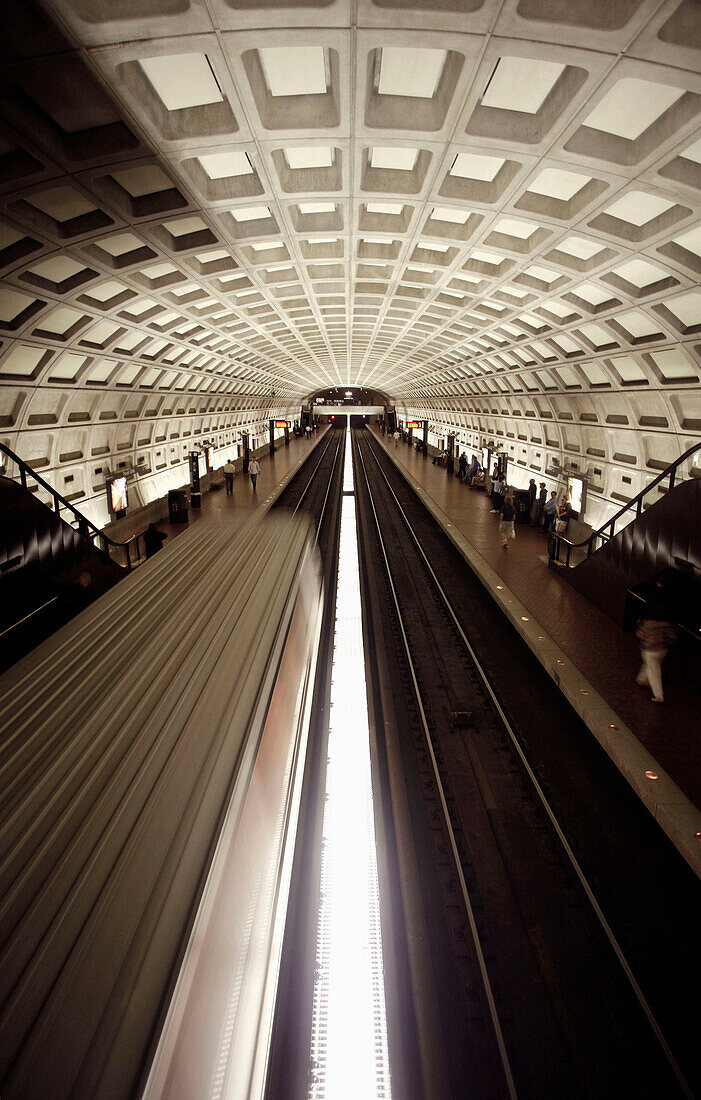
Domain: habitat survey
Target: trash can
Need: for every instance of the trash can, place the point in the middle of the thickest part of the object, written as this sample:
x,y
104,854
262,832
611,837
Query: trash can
x,y
177,506
522,505
195,500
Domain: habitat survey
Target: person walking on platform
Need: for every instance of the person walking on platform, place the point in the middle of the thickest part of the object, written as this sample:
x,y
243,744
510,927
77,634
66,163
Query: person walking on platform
x,y
655,635
254,470
507,520
462,466
397,437
229,471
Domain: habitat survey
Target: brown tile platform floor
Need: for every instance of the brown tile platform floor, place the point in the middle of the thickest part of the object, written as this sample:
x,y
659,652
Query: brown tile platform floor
x,y
607,656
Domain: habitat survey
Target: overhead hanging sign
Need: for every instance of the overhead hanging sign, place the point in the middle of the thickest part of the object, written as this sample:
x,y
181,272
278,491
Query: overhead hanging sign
x,y
414,424
282,424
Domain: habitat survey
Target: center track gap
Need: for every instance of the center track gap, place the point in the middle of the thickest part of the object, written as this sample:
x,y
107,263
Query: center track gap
x,y
349,1056
496,1024
615,946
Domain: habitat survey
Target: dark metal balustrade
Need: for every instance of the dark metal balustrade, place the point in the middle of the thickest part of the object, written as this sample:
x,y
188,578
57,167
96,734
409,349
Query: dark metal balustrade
x,y
559,544
53,560
127,554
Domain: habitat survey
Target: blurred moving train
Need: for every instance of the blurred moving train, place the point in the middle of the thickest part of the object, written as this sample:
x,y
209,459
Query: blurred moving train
x,y
151,759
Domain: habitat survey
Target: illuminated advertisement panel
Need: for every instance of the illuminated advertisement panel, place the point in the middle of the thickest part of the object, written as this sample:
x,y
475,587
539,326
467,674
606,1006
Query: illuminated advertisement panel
x,y
577,493
117,494
485,459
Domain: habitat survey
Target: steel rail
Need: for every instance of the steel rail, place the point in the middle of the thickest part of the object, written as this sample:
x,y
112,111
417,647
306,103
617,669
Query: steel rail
x,y
305,490
339,448
591,897
503,1053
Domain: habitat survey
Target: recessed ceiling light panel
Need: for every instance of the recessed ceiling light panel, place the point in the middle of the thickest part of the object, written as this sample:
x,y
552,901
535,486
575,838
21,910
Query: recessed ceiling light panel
x,y
182,81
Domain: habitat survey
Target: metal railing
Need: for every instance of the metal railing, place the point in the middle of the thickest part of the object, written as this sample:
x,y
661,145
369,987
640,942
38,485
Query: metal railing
x,y
558,542
128,551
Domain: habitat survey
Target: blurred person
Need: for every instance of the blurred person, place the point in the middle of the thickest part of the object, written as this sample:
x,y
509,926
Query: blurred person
x,y
397,437
462,466
254,470
655,634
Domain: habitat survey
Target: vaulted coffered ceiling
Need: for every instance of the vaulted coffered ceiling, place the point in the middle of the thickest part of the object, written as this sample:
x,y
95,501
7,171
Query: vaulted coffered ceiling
x,y
211,208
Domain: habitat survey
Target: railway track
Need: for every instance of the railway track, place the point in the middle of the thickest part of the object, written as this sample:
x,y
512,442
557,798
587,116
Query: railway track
x,y
523,988
289,1068
311,489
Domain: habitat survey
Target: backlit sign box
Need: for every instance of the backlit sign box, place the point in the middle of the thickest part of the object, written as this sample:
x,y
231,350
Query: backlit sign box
x,y
117,497
282,424
577,493
414,424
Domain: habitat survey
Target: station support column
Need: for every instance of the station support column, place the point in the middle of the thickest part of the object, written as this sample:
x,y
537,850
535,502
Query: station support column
x,y
195,491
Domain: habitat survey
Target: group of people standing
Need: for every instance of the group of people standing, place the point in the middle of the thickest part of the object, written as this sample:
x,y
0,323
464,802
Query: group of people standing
x,y
470,473
544,511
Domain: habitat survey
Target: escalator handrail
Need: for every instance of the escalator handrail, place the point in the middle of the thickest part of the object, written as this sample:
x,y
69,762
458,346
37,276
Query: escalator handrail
x,y
607,530
61,502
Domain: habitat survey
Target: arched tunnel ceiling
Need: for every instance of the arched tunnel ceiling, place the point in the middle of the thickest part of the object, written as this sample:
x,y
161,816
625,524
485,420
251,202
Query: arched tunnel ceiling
x,y
210,208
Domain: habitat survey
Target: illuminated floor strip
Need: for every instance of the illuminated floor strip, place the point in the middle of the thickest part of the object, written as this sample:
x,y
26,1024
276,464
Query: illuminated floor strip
x,y
349,1031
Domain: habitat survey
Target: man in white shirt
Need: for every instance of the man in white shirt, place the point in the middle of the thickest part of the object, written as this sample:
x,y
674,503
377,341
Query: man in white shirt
x,y
254,470
229,471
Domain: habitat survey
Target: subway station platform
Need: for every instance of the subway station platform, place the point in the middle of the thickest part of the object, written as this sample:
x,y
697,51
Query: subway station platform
x,y
592,659
237,508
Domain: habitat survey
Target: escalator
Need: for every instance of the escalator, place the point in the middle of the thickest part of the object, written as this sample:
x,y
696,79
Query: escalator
x,y
663,538
49,570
